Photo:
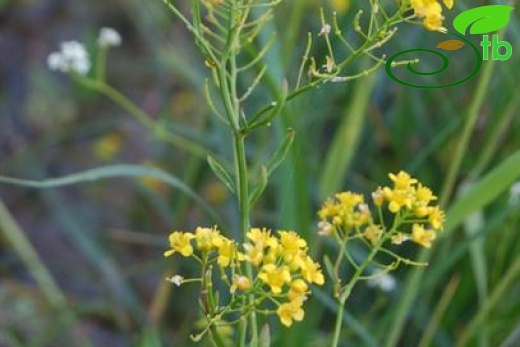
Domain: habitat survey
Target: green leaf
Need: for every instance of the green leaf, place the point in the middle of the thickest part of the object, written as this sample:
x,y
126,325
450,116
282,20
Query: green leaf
x,y
280,154
483,192
483,19
265,116
222,173
113,171
265,337
259,186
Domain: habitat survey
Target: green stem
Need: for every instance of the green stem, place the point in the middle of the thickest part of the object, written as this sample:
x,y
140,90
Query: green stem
x,y
144,119
101,62
348,290
243,201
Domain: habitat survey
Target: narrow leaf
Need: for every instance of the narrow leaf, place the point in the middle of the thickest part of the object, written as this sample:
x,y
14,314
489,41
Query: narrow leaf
x,y
280,154
484,191
222,173
263,118
483,19
113,171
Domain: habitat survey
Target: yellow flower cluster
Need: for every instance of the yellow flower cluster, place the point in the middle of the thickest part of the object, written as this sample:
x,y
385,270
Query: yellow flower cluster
x,y
431,12
282,267
206,240
408,200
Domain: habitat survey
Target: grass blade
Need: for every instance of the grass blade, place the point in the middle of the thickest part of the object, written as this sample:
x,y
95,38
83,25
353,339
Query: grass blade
x,y
113,171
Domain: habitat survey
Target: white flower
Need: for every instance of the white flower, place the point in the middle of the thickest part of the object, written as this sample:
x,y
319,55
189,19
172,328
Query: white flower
x,y
55,61
325,228
325,29
176,279
514,194
72,57
109,37
383,281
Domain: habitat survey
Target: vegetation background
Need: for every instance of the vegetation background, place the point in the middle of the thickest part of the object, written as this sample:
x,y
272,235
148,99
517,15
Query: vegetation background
x,y
97,274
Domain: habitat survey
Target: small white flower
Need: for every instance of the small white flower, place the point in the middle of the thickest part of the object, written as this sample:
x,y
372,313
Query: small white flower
x,y
55,61
383,281
72,57
514,194
325,29
109,37
176,279
325,228
363,208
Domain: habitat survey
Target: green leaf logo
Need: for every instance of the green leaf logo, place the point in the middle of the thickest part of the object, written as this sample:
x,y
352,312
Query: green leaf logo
x,y
482,20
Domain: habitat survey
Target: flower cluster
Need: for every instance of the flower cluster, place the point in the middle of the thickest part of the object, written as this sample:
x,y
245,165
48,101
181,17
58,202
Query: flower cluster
x,y
408,200
281,267
431,12
73,57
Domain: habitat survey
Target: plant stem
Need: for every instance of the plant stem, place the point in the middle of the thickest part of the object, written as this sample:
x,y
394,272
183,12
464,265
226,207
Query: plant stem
x,y
243,201
144,119
348,290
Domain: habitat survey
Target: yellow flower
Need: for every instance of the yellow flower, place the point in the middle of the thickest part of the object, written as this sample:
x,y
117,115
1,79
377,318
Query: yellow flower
x,y
290,311
431,12
329,209
241,283
424,194
275,277
254,254
291,245
398,198
423,237
378,196
436,217
402,180
275,249
297,290
433,22
348,199
206,238
180,242
311,272
373,233
261,237
227,251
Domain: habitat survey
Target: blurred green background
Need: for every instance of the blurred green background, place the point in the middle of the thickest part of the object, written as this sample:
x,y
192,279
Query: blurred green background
x,y
99,276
